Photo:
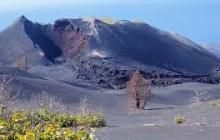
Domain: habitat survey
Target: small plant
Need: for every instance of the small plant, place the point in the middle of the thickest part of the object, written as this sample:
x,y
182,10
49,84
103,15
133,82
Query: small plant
x,y
107,20
179,119
215,103
22,63
87,115
199,97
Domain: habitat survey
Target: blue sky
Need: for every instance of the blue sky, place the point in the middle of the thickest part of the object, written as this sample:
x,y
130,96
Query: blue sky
x,y
198,20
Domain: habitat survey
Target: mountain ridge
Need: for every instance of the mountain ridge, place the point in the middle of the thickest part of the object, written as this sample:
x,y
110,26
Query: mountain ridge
x,y
95,48
213,48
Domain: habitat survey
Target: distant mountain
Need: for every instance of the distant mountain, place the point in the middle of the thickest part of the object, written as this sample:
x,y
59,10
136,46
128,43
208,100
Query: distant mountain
x,y
213,48
101,52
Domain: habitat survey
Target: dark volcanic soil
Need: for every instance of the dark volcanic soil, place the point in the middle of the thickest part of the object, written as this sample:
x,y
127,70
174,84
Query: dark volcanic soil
x,y
94,52
202,121
73,58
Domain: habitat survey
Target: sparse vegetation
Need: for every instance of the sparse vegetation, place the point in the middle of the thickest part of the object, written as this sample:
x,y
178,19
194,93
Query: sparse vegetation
x,y
196,100
88,115
195,105
107,20
47,101
137,21
138,91
178,119
7,98
215,103
43,122
21,63
43,125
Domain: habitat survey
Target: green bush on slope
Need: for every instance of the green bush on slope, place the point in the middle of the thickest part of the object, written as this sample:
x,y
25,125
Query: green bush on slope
x,y
44,125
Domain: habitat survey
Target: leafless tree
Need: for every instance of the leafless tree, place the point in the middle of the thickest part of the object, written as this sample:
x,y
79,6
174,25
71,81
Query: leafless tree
x,y
87,107
138,91
199,97
47,101
8,99
84,106
195,105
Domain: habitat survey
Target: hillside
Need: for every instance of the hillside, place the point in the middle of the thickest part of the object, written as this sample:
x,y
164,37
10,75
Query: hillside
x,y
156,121
74,59
213,48
93,51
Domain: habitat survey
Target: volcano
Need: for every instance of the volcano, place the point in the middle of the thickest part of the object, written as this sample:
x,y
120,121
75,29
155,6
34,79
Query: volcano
x,y
95,44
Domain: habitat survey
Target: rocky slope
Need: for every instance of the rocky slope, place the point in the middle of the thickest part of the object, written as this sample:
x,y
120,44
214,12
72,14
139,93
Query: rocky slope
x,y
213,48
91,50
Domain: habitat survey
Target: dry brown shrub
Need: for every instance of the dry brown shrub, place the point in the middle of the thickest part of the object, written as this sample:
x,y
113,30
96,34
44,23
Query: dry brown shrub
x,y
138,91
21,63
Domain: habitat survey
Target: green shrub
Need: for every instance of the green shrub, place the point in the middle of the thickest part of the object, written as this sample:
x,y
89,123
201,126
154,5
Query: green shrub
x,y
178,119
91,119
107,20
215,103
44,125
